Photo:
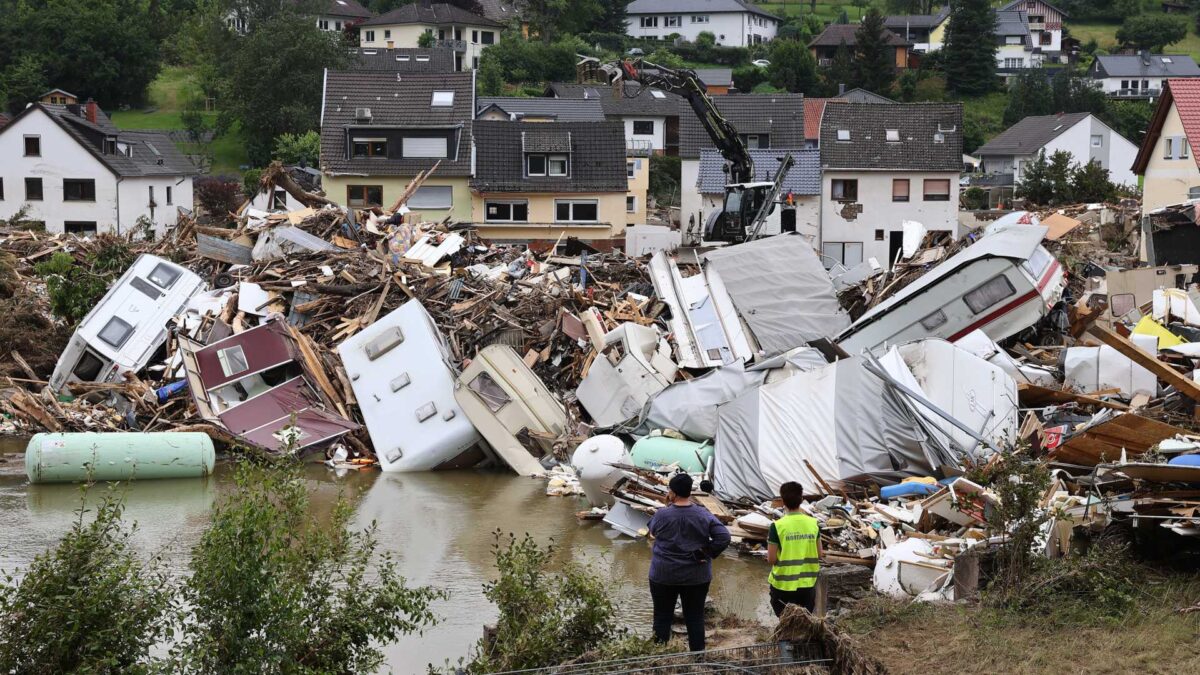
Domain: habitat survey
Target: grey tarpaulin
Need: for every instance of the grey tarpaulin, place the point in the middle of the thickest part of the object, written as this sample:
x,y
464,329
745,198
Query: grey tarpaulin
x,y
781,291
690,406
842,419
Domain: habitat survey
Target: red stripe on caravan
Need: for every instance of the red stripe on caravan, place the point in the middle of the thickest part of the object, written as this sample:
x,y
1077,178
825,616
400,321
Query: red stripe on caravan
x,y
995,315
1046,277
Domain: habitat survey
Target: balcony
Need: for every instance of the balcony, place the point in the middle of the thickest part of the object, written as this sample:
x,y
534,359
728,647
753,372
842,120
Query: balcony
x,y
456,45
638,148
1135,93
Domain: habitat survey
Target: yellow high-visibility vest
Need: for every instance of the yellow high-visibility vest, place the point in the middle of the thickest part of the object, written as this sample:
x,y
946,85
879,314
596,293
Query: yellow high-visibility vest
x,y
798,564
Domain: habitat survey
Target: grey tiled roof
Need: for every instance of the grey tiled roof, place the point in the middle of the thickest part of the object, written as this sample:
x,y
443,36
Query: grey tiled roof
x,y
560,109
1152,65
403,59
597,162
804,178
837,33
434,14
694,6
900,22
869,149
1012,22
860,95
716,77
395,102
500,10
350,8
779,115
545,138
637,100
1030,134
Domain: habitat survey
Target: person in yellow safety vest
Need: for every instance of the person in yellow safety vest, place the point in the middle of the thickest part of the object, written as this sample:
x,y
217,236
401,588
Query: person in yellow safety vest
x,y
794,552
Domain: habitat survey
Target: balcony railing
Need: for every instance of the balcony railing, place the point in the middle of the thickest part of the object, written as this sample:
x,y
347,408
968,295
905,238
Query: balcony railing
x,y
1135,93
456,45
638,148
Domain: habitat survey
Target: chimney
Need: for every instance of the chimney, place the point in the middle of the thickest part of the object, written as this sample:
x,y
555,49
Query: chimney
x,y
90,108
841,89
1145,54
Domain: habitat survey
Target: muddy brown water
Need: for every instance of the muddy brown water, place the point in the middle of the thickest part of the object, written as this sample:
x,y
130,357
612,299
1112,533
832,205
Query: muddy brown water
x,y
438,526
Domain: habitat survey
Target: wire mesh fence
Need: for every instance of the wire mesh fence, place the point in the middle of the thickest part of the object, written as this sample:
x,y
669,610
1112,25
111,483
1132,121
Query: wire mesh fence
x,y
773,658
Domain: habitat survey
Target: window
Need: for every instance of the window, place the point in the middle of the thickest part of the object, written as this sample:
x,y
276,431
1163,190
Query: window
x,y
845,190
442,99
89,366
369,147
432,197
899,189
487,37
1122,304
488,391
110,146
657,93
151,201
1013,64
535,165
337,25
170,197
1012,39
989,293
164,275
848,253
643,127
370,36
1037,263
364,195
937,189
757,141
33,189
79,190
843,134
1175,147
233,360
1034,18
939,137
387,34
892,135
630,204
699,18
145,288
323,24
1,188
279,200
649,22
33,146
546,165
115,332
433,147
1045,38
576,211
934,320
506,212
1097,141
631,168
474,37
879,235
80,227
671,21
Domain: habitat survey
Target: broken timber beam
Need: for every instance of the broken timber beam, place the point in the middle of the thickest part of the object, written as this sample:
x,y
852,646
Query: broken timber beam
x,y
1164,372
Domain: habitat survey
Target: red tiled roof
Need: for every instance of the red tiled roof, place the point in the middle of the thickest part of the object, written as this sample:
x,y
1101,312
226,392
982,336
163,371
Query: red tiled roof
x,y
814,110
1184,94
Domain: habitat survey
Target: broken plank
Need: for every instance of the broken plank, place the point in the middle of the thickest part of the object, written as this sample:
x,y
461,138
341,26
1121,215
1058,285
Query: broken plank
x,y
223,251
1032,395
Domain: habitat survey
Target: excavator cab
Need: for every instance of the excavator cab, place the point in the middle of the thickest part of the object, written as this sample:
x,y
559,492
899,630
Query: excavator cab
x,y
743,202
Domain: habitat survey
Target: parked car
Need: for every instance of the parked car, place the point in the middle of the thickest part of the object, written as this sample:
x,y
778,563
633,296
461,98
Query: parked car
x,y
635,51
761,63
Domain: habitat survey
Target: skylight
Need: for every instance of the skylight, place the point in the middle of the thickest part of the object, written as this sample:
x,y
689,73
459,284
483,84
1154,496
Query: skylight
x,y
657,94
843,134
1166,59
442,98
402,57
893,135
422,57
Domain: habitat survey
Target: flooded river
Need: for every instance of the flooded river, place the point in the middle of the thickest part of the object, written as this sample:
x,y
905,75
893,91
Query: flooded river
x,y
438,526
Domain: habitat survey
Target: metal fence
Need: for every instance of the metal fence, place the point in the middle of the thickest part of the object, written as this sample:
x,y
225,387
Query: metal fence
x,y
775,658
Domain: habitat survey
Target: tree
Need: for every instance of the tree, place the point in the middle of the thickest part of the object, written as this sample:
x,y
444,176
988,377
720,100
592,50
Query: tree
x,y
549,19
490,77
706,39
22,82
1151,31
793,67
1129,118
613,16
970,52
1028,95
1034,185
841,71
1090,183
88,605
875,58
298,149
666,58
273,589
425,40
908,86
1059,171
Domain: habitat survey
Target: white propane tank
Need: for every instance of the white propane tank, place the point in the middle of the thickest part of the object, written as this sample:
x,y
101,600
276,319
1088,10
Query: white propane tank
x,y
591,460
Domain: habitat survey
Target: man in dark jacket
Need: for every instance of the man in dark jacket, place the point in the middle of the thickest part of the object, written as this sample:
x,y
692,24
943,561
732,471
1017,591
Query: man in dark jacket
x,y
686,539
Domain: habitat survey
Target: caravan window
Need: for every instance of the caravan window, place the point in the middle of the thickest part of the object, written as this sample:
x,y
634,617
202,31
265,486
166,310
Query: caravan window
x,y
88,368
116,332
1122,304
164,275
489,392
992,291
934,320
1038,261
233,360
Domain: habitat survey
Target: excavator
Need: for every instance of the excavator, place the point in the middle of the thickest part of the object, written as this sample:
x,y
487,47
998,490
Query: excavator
x,y
750,207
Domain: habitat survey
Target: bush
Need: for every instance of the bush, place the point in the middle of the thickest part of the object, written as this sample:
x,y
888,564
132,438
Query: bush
x,y
250,182
746,78
218,196
298,149
87,606
74,289
974,199
701,53
665,177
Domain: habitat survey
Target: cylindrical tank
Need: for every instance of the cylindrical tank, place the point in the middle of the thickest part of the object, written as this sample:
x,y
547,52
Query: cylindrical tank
x,y
653,452
65,458
591,461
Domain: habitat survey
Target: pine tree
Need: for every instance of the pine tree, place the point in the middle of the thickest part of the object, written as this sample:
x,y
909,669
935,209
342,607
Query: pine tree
x,y
874,57
1059,171
970,52
841,70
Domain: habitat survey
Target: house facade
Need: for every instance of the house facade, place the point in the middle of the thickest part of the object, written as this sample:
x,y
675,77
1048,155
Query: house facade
x,y
452,27
882,165
71,169
650,116
1139,75
1014,48
378,131
535,183
824,47
926,32
338,15
1045,26
1081,134
734,23
403,59
1165,160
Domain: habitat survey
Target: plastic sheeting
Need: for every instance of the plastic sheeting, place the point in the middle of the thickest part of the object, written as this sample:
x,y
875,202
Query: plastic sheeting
x,y
781,290
691,406
1089,369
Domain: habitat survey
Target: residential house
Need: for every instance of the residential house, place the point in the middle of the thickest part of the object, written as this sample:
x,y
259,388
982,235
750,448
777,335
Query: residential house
x,y
59,97
503,11
883,165
1045,22
1081,134
824,46
650,116
525,109
465,33
801,195
1139,75
338,15
75,172
814,109
403,59
717,81
734,23
1170,170
536,182
1015,51
764,122
379,130
924,31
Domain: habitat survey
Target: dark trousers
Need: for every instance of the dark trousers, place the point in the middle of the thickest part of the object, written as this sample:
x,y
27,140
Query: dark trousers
x,y
805,597
692,598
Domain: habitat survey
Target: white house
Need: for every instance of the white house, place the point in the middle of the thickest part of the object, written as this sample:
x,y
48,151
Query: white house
x,y
465,33
1170,168
1045,25
1081,134
1139,75
733,22
339,15
882,165
1014,48
74,171
650,116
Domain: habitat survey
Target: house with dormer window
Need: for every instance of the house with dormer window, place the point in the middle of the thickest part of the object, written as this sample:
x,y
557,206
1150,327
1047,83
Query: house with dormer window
x,y
464,33
536,182
379,129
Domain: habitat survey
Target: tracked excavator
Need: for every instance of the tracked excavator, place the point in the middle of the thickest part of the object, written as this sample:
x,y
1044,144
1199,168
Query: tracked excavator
x,y
751,208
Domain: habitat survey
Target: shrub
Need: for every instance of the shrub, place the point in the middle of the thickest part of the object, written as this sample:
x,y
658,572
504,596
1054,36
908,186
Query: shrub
x,y
665,176
74,289
974,199
218,196
298,149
